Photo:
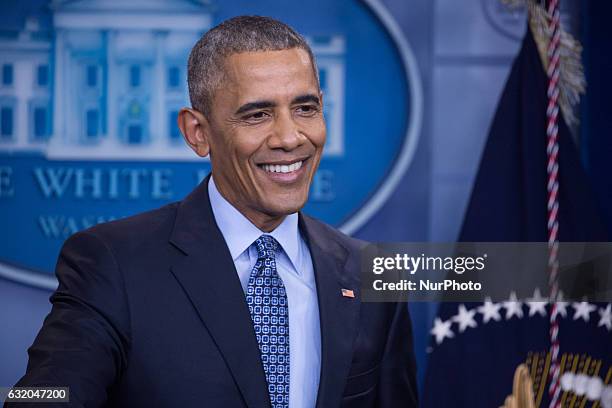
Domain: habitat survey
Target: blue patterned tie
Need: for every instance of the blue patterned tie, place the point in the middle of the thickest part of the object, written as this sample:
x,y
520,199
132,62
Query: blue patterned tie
x,y
267,302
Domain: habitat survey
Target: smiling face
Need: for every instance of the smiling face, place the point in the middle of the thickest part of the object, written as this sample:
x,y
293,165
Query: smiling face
x,y
265,133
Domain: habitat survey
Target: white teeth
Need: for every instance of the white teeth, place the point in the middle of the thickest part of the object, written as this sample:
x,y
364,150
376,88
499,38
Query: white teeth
x,y
295,166
278,168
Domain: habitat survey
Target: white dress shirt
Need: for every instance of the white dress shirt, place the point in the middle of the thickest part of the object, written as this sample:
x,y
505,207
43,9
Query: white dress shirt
x,y
294,266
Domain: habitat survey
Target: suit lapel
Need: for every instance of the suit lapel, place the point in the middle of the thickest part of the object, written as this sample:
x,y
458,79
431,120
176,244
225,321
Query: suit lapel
x,y
208,276
338,314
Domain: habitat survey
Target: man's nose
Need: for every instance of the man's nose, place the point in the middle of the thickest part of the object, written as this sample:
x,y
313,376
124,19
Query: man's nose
x,y
286,134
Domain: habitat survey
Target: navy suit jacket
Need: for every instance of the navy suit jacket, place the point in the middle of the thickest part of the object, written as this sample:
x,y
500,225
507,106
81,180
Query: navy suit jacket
x,y
150,312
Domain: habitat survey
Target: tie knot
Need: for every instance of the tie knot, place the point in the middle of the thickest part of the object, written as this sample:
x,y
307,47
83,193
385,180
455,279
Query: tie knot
x,y
266,246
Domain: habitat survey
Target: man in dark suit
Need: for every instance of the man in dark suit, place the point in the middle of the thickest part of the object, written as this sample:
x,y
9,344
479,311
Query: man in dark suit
x,y
231,297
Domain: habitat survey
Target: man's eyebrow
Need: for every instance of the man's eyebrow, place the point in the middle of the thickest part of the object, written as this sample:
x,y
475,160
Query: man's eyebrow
x,y
306,98
269,104
255,105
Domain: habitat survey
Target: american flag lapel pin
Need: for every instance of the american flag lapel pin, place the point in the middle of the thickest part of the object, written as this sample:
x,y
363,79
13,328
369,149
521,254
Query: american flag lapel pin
x,y
348,293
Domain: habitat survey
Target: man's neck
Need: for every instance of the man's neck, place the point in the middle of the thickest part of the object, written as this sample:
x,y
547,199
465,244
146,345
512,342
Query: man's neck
x,y
264,222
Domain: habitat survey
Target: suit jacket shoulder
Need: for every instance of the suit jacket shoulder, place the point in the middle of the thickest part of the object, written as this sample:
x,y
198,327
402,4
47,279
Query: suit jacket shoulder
x,y
133,232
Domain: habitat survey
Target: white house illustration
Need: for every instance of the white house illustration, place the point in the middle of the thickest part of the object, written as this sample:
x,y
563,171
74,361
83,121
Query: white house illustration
x,y
109,78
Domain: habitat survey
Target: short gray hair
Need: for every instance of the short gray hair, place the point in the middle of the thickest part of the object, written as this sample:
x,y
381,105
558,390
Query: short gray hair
x,y
236,35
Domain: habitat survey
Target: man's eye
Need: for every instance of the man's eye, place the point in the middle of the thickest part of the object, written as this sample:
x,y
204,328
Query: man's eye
x,y
255,116
307,109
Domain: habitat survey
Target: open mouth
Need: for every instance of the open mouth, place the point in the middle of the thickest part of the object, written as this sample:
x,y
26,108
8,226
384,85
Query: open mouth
x,y
285,171
282,168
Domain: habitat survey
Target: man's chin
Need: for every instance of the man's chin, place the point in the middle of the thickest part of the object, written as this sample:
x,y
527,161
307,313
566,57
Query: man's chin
x,y
281,212
285,207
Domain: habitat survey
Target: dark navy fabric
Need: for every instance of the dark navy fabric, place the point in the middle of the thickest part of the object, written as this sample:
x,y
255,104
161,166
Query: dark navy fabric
x,y
150,312
473,359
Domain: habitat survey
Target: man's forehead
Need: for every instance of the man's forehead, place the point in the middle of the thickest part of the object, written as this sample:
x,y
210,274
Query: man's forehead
x,y
273,77
267,63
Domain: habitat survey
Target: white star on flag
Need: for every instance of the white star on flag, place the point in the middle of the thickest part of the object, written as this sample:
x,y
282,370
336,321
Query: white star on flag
x,y
537,304
583,309
490,310
606,317
442,330
513,307
561,309
465,318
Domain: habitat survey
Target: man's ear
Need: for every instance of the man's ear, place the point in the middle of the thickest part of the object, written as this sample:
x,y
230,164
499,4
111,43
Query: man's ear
x,y
196,130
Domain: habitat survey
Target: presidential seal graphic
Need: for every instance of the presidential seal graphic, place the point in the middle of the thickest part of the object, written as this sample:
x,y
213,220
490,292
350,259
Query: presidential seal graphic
x,y
90,91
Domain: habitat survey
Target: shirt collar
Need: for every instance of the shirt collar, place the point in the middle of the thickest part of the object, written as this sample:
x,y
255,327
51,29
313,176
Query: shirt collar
x,y
239,233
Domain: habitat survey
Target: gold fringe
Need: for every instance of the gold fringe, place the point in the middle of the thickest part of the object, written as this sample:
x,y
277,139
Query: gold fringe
x,y
572,82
